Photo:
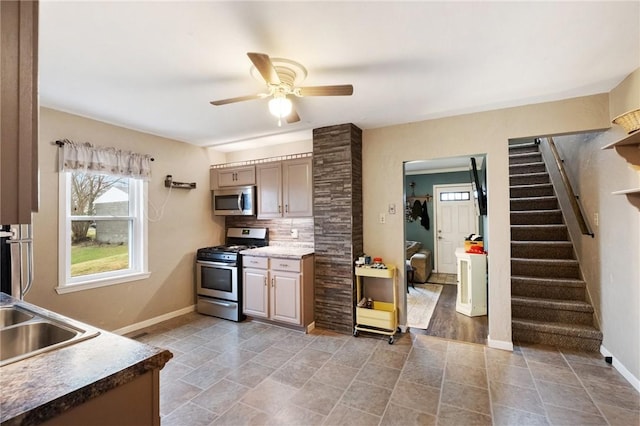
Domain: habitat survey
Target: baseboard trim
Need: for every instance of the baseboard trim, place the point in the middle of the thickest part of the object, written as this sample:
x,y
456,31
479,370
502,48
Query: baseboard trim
x,y
500,344
310,327
633,380
153,321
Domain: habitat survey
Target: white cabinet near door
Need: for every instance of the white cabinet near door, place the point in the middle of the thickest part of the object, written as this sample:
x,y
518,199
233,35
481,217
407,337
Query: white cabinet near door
x,y
472,283
279,289
285,188
233,176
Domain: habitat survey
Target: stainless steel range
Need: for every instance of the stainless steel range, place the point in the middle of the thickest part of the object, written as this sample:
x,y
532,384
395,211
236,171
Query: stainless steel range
x,y
219,273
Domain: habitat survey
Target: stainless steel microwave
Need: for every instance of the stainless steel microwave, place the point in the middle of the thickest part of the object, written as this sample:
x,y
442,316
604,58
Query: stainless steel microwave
x,y
236,201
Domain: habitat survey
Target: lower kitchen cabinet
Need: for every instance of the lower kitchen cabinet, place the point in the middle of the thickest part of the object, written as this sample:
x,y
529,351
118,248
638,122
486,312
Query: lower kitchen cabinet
x,y
140,397
285,299
279,289
255,292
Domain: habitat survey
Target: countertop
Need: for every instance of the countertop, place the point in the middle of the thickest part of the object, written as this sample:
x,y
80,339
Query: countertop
x,y
283,252
43,386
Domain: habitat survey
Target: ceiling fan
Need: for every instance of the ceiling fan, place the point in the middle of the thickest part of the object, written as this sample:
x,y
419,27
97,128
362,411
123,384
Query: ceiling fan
x,y
282,77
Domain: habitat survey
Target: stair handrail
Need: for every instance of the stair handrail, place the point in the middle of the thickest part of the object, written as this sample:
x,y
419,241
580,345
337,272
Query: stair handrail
x,y
585,229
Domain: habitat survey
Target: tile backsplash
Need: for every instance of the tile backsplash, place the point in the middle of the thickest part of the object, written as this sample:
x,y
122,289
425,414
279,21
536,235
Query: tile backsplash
x,y
279,229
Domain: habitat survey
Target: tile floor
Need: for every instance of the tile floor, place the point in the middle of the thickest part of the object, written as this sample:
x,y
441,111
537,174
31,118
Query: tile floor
x,y
226,373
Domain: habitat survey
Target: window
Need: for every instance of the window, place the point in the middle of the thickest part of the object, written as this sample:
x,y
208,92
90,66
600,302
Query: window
x,y
455,196
102,230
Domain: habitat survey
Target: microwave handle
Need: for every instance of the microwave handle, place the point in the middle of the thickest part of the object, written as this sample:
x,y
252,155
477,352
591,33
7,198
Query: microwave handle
x,y
240,202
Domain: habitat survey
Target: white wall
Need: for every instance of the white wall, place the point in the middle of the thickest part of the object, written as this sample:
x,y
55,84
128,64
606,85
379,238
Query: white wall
x,y
385,150
187,224
610,262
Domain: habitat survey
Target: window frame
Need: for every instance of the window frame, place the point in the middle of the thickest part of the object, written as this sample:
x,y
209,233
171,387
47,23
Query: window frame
x,y
138,244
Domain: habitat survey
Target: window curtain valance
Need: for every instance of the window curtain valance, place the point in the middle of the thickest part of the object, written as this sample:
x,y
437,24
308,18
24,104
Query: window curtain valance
x,y
91,159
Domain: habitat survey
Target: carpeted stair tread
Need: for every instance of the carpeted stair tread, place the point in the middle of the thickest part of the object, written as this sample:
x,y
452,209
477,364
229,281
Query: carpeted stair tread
x,y
543,261
535,167
523,147
559,268
549,202
563,282
542,250
575,330
548,287
543,243
529,178
534,190
554,232
566,305
525,158
537,217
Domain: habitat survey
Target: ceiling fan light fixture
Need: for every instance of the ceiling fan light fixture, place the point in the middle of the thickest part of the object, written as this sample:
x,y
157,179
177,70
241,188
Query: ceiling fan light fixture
x,y
280,106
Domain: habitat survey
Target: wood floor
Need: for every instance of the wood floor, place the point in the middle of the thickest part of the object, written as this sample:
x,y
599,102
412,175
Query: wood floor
x,y
449,324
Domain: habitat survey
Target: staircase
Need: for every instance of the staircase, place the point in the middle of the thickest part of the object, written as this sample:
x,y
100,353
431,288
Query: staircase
x,y
547,293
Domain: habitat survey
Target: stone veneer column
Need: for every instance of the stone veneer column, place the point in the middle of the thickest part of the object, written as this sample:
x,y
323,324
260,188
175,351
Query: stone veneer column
x,y
337,209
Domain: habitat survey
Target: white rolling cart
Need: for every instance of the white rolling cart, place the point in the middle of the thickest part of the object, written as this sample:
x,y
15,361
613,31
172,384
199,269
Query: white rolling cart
x,y
383,317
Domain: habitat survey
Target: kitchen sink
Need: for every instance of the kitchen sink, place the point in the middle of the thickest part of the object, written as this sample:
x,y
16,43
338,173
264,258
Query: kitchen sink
x,y
11,315
25,334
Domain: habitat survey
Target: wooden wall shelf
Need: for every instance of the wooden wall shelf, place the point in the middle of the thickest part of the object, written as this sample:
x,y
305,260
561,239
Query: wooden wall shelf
x,y
632,139
629,148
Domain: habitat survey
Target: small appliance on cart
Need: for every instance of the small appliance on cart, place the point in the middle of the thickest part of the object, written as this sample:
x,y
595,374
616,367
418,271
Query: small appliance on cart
x,y
380,317
219,273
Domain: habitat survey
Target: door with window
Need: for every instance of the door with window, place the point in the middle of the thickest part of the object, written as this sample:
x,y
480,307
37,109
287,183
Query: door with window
x,y
455,219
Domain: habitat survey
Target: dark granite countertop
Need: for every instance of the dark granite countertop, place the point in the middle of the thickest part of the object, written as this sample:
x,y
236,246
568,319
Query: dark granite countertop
x,y
46,385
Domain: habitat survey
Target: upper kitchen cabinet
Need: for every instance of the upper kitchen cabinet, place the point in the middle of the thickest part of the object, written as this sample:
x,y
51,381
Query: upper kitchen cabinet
x,y
285,189
19,112
233,176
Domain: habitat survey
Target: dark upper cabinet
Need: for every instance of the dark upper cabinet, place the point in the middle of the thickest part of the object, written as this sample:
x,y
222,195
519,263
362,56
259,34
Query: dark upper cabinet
x,y
18,111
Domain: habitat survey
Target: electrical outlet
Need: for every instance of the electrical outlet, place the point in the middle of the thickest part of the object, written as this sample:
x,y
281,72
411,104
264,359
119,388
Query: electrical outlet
x,y
392,209
596,219
294,233
382,218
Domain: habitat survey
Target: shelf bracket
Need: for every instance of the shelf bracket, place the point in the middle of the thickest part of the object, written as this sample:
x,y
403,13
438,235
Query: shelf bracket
x,y
170,183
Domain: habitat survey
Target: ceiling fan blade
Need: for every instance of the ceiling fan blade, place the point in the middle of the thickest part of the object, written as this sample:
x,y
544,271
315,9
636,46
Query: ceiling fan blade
x,y
237,99
337,90
265,67
293,117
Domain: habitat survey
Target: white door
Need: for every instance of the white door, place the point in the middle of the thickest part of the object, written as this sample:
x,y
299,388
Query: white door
x,y
455,219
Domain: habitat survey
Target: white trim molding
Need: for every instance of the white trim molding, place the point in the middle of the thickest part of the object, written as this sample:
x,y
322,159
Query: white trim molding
x,y
153,321
505,345
635,382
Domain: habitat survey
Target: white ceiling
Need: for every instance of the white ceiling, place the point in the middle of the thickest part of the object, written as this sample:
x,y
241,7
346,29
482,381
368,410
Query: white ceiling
x,y
154,66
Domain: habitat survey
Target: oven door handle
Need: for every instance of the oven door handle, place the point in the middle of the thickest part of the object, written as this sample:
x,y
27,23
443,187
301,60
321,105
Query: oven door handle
x,y
217,264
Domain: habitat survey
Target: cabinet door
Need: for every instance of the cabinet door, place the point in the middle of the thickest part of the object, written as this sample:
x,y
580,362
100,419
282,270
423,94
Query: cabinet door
x,y
19,112
226,178
255,292
269,177
245,176
297,187
285,297
237,176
